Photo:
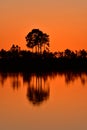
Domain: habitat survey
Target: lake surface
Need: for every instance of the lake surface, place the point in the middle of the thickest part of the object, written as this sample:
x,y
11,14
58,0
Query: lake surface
x,y
50,101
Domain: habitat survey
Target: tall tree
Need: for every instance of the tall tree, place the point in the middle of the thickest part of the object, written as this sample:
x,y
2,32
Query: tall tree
x,y
37,39
45,41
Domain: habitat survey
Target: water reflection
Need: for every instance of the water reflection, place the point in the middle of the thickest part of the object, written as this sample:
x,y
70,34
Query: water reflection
x,y
38,85
37,93
15,80
73,76
3,77
38,88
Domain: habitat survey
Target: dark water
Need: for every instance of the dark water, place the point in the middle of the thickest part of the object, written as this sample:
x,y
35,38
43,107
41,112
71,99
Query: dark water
x,y
50,101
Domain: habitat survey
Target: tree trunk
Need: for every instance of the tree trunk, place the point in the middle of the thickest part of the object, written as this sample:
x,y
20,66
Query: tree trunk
x,y
38,48
44,47
32,49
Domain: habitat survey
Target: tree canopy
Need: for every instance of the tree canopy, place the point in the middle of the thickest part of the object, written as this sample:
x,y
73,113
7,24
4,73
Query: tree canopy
x,y
36,38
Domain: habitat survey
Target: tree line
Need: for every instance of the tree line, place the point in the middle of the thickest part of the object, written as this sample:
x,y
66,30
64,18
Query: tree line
x,y
38,42
39,58
15,51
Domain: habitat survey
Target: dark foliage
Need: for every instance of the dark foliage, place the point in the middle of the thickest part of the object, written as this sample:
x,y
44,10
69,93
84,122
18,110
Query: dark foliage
x,y
19,60
37,39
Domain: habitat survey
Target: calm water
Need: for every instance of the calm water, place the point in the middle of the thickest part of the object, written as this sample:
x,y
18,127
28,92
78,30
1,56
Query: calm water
x,y
43,101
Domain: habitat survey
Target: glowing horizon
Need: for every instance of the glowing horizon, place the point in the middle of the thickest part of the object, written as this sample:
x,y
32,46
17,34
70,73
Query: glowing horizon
x,y
64,21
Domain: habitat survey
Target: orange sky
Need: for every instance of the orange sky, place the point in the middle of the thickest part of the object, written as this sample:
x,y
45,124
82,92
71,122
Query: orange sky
x,y
65,21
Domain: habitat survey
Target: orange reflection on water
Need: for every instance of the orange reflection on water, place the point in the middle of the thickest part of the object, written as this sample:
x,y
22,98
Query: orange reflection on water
x,y
62,101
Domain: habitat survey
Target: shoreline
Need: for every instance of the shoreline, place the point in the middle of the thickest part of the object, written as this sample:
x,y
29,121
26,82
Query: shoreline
x,y
25,61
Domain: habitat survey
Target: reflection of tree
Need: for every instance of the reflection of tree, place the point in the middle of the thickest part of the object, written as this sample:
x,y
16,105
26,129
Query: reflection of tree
x,y
27,77
38,91
72,76
69,76
3,77
15,80
83,78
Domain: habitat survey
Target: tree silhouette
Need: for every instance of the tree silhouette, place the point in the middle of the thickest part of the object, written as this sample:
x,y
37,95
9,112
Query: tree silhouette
x,y
15,48
45,41
67,53
37,39
2,53
83,53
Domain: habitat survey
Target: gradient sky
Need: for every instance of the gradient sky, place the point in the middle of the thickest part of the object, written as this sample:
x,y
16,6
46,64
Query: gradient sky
x,y
65,21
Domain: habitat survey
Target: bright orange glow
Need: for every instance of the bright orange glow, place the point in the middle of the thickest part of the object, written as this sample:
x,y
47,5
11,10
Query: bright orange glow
x,y
64,21
66,107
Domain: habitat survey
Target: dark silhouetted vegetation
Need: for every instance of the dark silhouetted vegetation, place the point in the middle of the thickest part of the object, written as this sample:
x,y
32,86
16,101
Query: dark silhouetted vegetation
x,y
41,60
37,39
38,84
21,60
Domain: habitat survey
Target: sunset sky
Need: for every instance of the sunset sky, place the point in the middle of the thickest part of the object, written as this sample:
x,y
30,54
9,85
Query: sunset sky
x,y
64,20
